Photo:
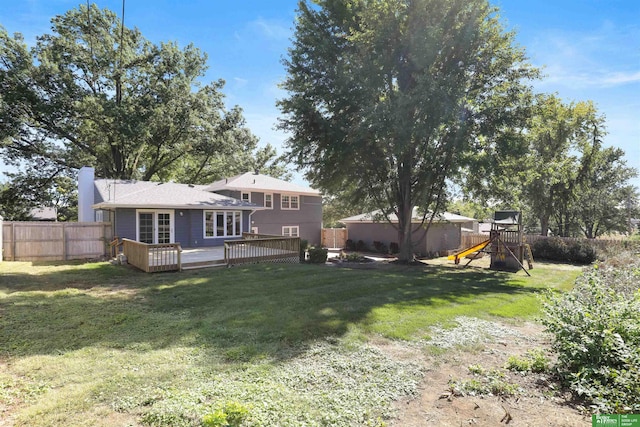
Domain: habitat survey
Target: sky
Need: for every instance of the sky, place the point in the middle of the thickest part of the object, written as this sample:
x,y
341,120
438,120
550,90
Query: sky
x,y
589,50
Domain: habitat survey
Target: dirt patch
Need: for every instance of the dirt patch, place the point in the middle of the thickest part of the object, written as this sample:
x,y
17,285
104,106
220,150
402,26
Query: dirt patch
x,y
538,402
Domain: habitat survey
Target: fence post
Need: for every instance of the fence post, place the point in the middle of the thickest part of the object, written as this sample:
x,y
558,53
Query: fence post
x,y
13,241
64,241
1,237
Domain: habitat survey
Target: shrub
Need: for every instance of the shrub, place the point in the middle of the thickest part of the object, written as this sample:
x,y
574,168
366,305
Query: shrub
x,y
350,245
582,252
380,247
361,246
533,361
231,415
556,249
355,257
596,331
394,248
318,255
552,249
304,244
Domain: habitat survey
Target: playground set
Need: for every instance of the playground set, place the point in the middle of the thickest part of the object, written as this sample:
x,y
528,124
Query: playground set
x,y
505,244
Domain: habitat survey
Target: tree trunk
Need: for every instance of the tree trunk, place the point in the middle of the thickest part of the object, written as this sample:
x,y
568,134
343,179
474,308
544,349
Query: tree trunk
x,y
404,235
544,225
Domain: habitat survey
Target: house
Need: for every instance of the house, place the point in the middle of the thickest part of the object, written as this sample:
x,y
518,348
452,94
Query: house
x,y
288,209
43,214
192,215
443,235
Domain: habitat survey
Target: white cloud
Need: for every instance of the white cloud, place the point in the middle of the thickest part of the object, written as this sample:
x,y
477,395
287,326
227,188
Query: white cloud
x,y
602,58
240,82
270,29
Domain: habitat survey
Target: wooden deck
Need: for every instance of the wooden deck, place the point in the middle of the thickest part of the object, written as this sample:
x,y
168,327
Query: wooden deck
x,y
252,249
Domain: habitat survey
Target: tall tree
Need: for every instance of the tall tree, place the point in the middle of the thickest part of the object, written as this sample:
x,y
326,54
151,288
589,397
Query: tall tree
x,y
389,98
549,169
605,201
561,177
94,92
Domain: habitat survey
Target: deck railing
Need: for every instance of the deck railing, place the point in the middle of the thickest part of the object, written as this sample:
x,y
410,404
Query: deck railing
x,y
153,258
257,248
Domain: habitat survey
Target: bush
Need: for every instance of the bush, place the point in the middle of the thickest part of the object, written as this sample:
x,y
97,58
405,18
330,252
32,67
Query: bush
x,y
394,248
380,247
361,246
596,331
533,361
318,255
304,244
350,245
355,257
556,249
582,252
552,249
231,415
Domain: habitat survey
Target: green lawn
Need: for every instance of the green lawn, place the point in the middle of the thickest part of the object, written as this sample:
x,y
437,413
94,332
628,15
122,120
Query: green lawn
x,y
96,344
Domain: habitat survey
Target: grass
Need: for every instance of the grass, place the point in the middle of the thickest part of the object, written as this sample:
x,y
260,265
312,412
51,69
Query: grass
x,y
96,344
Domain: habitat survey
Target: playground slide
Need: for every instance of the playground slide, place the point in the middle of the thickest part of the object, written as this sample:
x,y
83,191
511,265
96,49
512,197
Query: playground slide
x,y
468,251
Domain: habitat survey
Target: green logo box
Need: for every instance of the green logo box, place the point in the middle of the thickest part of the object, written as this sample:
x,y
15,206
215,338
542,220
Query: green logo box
x,y
622,420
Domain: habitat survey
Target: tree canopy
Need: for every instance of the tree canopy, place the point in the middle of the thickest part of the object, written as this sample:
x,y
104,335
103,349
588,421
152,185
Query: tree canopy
x,y
562,176
388,99
93,92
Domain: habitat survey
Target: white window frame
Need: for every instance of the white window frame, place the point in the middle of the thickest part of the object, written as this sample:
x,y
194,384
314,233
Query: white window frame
x,y
245,193
290,198
290,228
265,200
236,232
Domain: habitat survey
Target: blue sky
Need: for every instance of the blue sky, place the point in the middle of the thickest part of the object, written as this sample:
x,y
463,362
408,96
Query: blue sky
x,y
590,50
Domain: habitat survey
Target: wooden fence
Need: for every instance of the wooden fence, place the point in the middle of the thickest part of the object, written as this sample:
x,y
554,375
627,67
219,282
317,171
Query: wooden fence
x,y
54,241
334,237
153,258
257,248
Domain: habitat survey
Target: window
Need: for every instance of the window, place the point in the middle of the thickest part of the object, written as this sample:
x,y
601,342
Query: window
x,y
291,231
268,201
222,224
290,202
246,197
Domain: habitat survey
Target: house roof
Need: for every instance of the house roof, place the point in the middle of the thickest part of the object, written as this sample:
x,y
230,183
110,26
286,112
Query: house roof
x,y
376,216
111,193
256,182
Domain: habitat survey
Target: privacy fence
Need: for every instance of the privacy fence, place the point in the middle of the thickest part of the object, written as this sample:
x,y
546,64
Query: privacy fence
x,y
54,241
334,237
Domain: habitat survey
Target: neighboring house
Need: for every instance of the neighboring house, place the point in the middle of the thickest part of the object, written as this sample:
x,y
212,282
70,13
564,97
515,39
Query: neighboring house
x,y
443,235
194,215
43,214
289,209
484,227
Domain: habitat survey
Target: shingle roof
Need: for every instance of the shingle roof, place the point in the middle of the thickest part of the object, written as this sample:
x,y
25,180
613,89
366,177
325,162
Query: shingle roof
x,y
376,216
145,194
256,182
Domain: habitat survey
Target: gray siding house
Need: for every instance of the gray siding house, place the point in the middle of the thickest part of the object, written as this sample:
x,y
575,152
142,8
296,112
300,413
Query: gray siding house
x,y
287,209
443,235
194,215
